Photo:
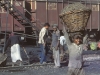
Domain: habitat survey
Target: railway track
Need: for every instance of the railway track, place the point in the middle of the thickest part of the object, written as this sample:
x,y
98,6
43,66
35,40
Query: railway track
x,y
24,67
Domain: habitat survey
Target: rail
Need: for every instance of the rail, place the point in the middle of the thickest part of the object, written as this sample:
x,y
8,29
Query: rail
x,y
24,35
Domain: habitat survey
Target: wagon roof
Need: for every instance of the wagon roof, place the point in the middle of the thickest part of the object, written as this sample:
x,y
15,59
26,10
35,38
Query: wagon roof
x,y
88,1
51,0
68,0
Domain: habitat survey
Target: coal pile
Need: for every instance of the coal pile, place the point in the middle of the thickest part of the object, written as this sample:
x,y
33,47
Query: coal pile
x,y
74,7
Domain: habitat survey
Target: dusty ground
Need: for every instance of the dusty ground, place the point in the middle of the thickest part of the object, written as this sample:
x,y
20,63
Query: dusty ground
x,y
91,66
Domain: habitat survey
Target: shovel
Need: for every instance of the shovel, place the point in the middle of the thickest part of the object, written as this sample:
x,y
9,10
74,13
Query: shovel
x,y
27,55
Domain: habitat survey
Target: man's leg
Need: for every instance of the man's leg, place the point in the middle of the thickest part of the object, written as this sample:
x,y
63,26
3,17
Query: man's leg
x,y
56,57
43,58
40,54
46,49
61,53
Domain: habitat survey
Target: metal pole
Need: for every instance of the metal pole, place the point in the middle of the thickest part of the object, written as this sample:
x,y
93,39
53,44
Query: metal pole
x,y
85,2
6,27
58,14
0,22
98,16
11,1
36,23
91,18
86,5
62,4
47,11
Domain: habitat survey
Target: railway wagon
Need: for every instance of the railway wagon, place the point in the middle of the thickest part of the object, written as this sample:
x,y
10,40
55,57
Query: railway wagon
x,y
40,11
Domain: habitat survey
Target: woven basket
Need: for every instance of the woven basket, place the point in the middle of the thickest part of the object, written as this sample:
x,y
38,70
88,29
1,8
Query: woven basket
x,y
75,20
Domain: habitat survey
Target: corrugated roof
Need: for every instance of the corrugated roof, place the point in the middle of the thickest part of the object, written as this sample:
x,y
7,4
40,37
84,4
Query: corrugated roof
x,y
83,0
68,0
51,0
71,1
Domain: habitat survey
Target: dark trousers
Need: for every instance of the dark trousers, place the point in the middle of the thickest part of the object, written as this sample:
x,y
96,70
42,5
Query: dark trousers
x,y
47,49
43,53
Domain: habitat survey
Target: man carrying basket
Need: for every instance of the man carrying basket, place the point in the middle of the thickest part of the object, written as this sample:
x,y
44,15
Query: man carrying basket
x,y
75,17
75,65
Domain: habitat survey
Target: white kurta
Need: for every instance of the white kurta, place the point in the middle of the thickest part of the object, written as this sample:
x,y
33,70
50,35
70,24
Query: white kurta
x,y
15,53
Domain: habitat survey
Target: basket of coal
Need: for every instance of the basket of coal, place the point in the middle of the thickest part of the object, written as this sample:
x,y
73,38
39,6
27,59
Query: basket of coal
x,y
75,17
3,59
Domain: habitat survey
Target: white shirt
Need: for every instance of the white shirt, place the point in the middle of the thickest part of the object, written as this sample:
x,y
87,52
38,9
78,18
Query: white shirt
x,y
62,40
41,35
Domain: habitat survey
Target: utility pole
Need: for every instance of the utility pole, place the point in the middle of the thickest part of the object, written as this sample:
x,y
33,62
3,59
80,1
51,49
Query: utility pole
x,y
6,25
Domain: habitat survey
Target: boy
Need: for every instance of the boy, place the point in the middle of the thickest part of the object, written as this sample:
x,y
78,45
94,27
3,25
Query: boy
x,y
75,65
55,46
